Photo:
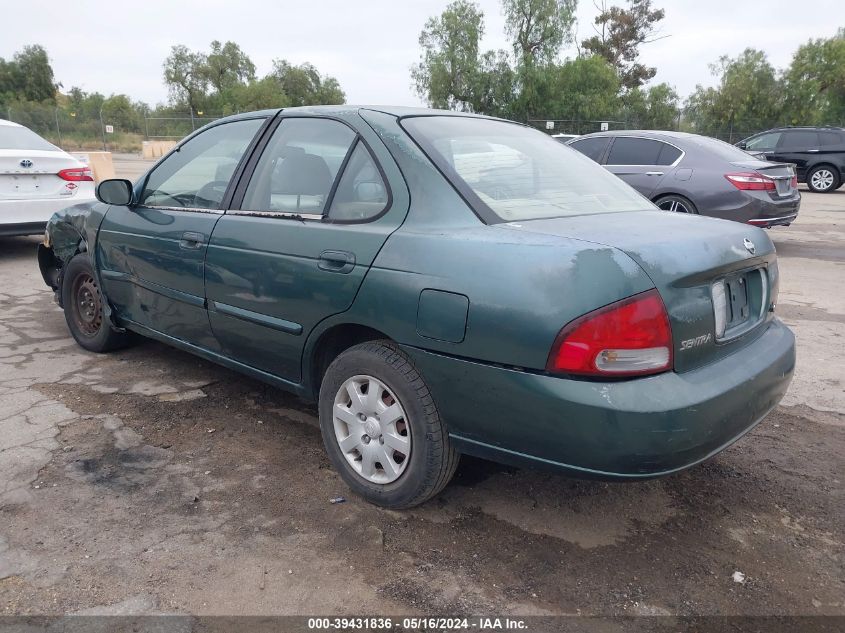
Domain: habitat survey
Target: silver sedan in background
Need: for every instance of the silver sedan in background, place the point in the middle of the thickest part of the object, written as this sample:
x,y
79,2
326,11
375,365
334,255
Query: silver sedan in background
x,y
688,173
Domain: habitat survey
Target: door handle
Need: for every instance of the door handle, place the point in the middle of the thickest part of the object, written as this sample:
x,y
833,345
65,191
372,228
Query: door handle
x,y
191,240
813,151
654,173
336,261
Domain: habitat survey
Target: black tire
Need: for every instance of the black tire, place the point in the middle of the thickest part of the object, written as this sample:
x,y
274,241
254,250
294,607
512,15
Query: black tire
x,y
676,204
432,460
83,305
834,179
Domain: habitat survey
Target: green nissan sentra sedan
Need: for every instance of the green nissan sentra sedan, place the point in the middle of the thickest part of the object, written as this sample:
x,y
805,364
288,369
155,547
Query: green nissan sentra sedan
x,y
440,284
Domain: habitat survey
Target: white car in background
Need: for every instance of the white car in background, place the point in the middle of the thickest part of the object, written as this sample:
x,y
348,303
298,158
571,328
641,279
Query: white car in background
x,y
36,180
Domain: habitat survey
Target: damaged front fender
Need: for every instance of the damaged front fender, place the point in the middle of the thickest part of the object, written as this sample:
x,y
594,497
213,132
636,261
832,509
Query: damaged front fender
x,y
70,232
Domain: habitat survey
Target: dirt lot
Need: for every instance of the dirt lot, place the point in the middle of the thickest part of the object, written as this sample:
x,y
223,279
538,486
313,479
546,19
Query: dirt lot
x,y
152,481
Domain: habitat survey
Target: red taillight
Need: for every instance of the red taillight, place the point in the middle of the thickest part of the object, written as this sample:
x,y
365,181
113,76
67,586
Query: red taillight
x,y
76,174
751,181
794,182
631,337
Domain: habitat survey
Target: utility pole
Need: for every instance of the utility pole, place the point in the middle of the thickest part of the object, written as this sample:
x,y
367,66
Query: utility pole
x,y
103,127
58,129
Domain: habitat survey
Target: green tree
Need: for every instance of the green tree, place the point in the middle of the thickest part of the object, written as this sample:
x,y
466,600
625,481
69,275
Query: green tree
x,y
447,75
619,34
748,97
304,85
654,108
227,66
814,83
539,28
186,76
28,76
584,89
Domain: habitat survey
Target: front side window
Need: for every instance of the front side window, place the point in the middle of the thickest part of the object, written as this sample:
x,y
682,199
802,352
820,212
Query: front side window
x,y
197,174
763,142
592,147
298,167
518,173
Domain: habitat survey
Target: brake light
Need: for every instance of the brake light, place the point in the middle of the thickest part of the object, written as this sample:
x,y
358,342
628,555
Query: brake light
x,y
631,337
794,182
76,174
751,181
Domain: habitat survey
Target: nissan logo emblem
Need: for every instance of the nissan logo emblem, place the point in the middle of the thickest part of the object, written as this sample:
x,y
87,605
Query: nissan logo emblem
x,y
26,163
749,246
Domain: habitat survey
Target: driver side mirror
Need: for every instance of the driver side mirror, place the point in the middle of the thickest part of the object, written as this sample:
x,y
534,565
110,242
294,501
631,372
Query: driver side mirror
x,y
741,145
116,191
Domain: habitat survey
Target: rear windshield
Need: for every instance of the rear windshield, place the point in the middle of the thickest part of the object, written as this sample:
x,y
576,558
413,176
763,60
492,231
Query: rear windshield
x,y
14,137
518,173
724,150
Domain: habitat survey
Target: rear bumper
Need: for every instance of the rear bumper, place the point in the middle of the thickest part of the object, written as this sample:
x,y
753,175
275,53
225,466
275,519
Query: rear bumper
x,y
41,209
758,208
630,429
23,228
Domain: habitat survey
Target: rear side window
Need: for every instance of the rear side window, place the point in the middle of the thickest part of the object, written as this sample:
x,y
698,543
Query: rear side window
x,y
831,138
198,173
764,141
361,193
14,137
296,172
635,151
668,154
800,139
591,147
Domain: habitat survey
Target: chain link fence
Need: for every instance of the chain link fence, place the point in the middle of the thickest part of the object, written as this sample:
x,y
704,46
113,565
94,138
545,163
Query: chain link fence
x,y
103,130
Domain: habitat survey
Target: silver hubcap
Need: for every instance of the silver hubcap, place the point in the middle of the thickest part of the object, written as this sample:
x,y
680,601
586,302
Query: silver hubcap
x,y
822,179
675,206
371,429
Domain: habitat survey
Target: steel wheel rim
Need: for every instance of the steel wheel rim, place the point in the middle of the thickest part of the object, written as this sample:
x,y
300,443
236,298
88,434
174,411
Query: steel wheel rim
x,y
371,429
87,307
822,179
675,206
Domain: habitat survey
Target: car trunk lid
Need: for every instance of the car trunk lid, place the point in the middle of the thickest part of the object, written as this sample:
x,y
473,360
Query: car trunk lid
x,y
781,173
684,256
32,174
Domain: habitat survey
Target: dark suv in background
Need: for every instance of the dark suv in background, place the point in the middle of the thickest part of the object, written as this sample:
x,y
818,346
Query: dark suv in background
x,y
818,153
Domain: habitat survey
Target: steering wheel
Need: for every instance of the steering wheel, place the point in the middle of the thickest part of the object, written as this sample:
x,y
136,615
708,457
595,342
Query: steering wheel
x,y
211,195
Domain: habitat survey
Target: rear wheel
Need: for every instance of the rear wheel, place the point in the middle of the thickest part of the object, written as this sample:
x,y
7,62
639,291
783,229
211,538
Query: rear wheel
x,y
823,179
83,304
381,428
676,204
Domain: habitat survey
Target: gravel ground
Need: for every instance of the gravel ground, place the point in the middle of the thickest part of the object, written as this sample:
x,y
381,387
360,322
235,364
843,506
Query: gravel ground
x,y
151,481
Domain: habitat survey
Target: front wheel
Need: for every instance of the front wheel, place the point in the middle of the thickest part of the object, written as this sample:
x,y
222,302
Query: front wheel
x,y
822,179
382,429
676,204
83,305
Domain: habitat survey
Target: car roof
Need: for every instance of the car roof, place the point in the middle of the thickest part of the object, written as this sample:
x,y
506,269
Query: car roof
x,y
9,123
346,109
667,134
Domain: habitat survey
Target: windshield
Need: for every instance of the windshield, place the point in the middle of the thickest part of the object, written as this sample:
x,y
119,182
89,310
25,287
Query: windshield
x,y
519,173
14,137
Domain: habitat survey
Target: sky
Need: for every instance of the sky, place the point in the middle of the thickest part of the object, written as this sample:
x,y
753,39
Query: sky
x,y
368,45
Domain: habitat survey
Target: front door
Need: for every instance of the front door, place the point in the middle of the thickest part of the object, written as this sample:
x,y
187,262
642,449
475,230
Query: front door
x,y
305,230
152,253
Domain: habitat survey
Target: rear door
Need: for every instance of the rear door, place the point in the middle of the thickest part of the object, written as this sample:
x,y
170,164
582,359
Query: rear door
x,y
308,220
796,147
642,162
151,254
